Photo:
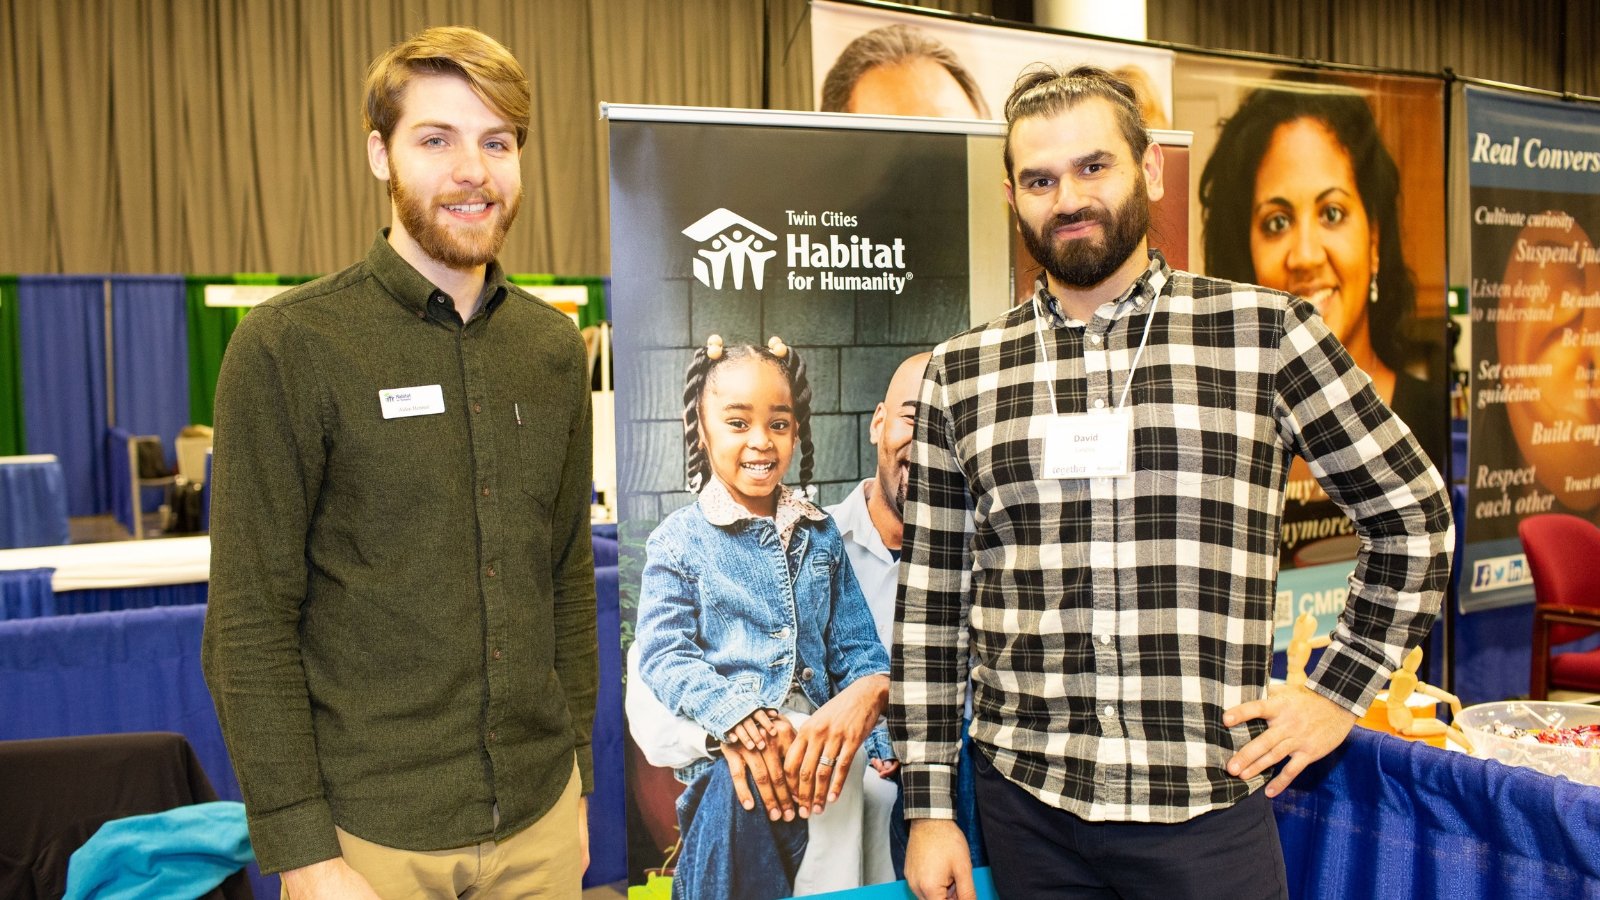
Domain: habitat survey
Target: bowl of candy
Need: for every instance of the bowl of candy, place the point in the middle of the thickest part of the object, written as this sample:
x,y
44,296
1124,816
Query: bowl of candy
x,y
1554,738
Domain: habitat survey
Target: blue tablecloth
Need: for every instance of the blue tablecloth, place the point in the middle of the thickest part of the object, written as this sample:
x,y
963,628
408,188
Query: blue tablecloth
x,y
33,502
1385,817
26,594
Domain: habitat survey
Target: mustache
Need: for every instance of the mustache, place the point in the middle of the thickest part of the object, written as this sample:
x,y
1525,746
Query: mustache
x,y
485,194
1087,214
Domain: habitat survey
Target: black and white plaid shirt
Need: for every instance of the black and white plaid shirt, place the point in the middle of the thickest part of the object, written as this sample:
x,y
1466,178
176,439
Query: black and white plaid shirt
x,y
1112,620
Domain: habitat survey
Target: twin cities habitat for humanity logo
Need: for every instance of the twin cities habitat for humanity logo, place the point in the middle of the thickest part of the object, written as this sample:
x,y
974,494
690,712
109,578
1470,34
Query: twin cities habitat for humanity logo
x,y
734,248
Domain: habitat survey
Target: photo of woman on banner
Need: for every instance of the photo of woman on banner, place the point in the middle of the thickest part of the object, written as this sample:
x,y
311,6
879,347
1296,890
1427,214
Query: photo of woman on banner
x,y
901,70
1301,195
754,638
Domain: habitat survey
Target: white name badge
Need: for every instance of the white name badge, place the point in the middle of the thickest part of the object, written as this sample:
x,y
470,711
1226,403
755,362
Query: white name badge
x,y
1094,445
398,403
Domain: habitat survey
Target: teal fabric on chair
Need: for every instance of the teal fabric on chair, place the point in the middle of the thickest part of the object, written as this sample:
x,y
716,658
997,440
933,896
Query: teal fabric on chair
x,y
183,852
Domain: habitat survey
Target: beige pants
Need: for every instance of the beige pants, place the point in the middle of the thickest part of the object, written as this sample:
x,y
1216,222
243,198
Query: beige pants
x,y
542,860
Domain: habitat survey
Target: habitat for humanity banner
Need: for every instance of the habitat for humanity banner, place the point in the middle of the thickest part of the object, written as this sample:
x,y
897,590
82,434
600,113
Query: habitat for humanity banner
x,y
775,278
1534,175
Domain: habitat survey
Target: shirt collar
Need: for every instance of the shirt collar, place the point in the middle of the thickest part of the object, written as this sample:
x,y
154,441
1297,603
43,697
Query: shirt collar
x,y
719,507
855,523
415,292
1136,299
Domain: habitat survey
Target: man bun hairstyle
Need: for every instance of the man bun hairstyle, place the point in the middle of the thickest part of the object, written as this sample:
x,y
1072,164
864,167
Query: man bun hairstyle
x,y
697,464
1042,90
488,67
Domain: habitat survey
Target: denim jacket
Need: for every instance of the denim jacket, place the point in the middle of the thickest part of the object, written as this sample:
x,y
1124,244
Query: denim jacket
x,y
729,620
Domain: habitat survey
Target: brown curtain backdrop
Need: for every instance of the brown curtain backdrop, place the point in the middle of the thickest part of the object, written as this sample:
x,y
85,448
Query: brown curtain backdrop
x,y
1546,44
213,136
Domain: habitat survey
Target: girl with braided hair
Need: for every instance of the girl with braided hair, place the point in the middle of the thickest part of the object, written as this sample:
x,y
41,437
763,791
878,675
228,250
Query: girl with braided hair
x,y
753,627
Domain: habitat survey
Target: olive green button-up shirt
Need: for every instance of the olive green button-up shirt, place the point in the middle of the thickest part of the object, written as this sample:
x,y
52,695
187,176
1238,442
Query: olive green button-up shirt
x,y
401,634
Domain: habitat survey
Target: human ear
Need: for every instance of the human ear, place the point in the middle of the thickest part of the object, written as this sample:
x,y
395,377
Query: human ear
x,y
1154,164
378,156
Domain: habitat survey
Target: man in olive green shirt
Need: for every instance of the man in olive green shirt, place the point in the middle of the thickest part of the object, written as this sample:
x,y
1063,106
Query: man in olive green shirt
x,y
401,639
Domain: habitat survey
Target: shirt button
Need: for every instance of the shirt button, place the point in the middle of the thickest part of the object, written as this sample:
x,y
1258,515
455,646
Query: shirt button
x,y
493,737
807,674
1110,710
491,571
484,490
496,654
781,633
1105,638
1094,339
1099,403
477,407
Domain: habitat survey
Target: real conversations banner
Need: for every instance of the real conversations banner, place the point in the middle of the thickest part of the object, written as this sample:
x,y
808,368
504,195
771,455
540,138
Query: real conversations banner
x,y
1533,167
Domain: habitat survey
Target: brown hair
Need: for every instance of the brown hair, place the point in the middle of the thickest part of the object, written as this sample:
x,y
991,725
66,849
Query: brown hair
x,y
491,70
893,45
1044,91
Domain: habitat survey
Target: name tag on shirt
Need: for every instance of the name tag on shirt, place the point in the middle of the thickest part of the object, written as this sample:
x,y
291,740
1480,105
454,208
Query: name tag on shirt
x,y
1092,445
425,400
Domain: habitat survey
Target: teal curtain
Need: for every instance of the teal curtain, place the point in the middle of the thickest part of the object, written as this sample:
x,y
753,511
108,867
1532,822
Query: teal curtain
x,y
13,432
592,313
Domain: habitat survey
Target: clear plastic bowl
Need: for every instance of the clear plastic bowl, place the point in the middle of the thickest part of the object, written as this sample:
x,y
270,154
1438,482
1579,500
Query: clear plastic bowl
x,y
1577,763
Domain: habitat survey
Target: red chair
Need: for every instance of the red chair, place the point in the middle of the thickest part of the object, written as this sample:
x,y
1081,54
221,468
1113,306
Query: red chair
x,y
1564,557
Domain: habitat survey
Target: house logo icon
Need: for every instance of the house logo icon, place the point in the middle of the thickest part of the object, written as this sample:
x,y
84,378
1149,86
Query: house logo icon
x,y
730,243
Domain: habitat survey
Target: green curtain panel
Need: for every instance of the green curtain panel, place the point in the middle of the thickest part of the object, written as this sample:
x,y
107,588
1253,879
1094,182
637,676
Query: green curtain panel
x,y
13,433
592,313
210,328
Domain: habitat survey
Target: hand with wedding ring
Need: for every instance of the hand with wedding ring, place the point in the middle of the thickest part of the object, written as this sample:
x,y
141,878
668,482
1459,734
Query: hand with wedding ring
x,y
817,765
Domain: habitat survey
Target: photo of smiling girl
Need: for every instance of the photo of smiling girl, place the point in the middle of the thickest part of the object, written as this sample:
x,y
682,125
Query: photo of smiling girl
x,y
752,625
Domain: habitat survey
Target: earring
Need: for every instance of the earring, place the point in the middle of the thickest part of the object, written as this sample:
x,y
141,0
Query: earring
x,y
1372,290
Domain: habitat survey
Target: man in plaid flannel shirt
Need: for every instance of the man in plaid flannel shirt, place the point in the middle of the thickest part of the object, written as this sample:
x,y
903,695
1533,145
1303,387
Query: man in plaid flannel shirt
x,y
1093,523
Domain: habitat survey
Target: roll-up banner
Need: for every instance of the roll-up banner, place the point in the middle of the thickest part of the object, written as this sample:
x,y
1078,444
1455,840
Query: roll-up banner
x,y
1329,185
1533,170
858,242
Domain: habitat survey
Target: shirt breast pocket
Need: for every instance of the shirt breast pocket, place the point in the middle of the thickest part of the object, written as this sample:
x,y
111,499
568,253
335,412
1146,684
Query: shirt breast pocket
x,y
814,590
1186,443
542,452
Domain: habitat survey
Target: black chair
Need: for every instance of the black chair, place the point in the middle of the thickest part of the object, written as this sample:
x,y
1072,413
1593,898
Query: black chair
x,y
57,792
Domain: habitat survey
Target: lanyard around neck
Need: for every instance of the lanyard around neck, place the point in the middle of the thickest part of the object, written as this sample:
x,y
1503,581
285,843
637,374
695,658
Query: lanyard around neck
x,y
1044,351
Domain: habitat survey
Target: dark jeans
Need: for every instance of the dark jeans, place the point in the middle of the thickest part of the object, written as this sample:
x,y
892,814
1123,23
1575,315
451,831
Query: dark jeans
x,y
1037,851
728,851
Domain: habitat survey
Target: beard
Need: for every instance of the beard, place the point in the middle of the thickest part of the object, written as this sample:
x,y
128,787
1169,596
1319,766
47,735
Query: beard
x,y
460,247
892,480
1085,262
